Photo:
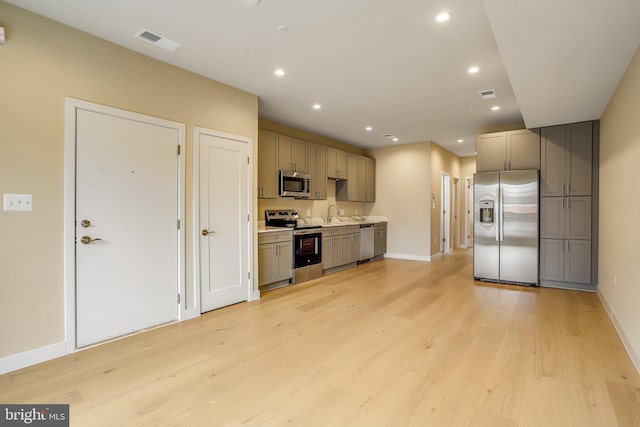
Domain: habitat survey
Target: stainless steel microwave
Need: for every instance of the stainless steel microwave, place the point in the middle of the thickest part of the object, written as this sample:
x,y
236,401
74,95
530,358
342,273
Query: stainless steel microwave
x,y
294,184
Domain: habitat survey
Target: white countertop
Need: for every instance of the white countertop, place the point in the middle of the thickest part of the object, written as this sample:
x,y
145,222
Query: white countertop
x,y
336,221
269,229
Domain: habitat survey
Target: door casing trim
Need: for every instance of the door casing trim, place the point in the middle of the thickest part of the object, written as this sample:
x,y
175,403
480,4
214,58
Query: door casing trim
x,y
195,309
71,106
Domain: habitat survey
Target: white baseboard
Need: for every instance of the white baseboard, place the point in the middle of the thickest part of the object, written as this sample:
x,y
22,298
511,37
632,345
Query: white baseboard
x,y
409,257
191,313
255,295
32,357
635,359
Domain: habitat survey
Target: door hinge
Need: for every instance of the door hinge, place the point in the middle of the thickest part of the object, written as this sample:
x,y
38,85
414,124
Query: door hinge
x,y
248,160
248,217
178,150
178,224
178,298
249,275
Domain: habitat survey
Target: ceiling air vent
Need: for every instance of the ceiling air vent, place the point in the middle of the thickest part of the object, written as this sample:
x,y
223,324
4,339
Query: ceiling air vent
x,y
157,39
488,93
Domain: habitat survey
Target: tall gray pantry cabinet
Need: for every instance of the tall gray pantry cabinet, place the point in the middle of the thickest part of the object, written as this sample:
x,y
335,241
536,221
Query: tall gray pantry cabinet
x,y
568,205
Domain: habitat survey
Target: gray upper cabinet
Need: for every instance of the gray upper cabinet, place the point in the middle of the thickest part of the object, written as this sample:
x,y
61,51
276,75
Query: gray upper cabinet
x,y
566,166
491,152
267,165
523,149
292,154
370,180
359,185
511,150
317,165
579,159
336,163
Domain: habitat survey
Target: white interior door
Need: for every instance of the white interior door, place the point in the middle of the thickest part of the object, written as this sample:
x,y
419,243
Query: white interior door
x,y
224,221
127,203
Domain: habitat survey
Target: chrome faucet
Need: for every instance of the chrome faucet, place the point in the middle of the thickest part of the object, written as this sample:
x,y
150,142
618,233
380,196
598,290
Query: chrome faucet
x,y
329,212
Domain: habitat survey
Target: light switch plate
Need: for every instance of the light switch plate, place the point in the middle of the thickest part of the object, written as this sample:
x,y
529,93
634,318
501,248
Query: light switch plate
x,y
18,202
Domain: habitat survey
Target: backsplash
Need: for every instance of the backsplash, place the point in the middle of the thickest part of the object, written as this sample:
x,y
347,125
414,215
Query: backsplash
x,y
315,208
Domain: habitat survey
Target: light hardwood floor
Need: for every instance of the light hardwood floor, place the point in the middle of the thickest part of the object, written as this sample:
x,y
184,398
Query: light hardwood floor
x,y
389,343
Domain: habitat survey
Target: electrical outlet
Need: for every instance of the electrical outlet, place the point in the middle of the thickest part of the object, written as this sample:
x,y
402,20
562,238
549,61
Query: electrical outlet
x,y
18,202
614,281
308,212
341,211
356,211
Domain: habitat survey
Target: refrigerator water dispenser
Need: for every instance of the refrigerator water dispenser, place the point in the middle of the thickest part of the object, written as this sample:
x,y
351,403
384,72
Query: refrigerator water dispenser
x,y
486,211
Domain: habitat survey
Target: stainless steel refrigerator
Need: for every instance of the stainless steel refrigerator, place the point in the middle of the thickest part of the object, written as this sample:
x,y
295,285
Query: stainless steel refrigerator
x,y
506,222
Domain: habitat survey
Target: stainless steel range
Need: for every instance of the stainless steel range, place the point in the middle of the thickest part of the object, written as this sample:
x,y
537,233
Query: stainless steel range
x,y
307,243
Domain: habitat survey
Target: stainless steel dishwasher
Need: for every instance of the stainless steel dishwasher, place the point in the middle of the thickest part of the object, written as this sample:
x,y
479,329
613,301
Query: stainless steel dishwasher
x,y
366,242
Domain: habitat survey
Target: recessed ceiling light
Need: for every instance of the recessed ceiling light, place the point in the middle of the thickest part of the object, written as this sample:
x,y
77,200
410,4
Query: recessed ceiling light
x,y
443,17
368,128
250,2
460,141
495,108
279,72
317,106
283,28
395,139
473,70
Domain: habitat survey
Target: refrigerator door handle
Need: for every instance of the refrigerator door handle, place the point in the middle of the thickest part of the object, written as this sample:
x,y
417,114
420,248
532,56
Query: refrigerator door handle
x,y
497,214
501,208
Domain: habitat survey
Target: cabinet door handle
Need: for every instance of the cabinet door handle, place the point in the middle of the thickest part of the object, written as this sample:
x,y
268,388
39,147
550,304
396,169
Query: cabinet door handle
x,y
568,189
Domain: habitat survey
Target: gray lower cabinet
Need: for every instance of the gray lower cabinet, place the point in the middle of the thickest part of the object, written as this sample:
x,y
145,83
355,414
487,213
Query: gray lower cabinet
x,y
340,246
379,239
565,261
275,257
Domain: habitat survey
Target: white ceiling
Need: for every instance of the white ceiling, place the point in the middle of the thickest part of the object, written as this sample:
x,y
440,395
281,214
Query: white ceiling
x,y
387,64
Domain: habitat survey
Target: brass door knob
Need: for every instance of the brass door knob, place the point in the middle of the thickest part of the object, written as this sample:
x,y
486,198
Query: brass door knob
x,y
85,223
86,239
206,232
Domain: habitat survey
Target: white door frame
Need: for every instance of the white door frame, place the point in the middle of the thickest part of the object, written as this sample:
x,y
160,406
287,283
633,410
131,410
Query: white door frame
x,y
195,309
445,203
455,214
468,213
71,105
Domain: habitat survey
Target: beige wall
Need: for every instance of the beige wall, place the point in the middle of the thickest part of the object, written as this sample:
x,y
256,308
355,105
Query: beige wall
x,y
41,63
442,161
620,205
403,187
